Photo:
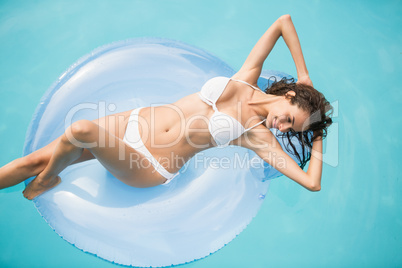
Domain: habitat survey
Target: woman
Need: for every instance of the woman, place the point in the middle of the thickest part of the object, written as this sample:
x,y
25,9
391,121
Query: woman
x,y
132,144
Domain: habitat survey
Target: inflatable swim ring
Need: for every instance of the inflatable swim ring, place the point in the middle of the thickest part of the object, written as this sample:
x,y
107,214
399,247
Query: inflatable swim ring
x,y
196,214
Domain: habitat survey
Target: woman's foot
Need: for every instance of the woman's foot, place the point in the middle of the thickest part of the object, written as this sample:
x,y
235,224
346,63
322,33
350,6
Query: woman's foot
x,y
39,186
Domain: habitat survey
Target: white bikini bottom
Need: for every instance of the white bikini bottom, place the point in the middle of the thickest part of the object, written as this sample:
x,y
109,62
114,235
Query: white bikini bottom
x,y
132,138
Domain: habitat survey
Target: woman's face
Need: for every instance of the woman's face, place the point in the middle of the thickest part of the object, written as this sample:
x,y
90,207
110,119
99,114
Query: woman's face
x,y
285,116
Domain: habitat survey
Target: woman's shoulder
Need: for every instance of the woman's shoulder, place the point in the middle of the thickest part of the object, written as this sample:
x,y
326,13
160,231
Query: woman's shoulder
x,y
257,138
246,76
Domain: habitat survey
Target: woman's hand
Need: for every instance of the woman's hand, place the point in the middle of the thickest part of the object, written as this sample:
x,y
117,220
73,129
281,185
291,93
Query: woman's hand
x,y
305,80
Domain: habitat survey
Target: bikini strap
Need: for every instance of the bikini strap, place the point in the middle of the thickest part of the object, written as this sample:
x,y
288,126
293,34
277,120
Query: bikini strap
x,y
207,101
255,125
244,82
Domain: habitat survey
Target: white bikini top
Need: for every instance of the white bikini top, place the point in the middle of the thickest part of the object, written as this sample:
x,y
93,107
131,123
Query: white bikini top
x,y
223,127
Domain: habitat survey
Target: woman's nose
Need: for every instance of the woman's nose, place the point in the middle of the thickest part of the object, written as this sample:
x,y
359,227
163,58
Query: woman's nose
x,y
284,126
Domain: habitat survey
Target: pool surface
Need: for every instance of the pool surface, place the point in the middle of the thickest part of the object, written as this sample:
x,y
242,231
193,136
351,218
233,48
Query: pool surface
x,y
354,56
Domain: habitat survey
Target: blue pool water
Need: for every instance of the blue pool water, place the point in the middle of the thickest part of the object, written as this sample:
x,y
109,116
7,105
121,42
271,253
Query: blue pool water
x,y
354,55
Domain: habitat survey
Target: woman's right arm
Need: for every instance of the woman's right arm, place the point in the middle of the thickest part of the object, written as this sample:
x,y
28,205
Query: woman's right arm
x,y
251,69
281,161
265,145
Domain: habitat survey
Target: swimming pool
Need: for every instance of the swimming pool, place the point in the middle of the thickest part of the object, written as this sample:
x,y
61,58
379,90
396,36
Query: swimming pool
x,y
353,54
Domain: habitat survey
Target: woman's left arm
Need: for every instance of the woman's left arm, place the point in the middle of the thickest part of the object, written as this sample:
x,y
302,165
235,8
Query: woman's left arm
x,y
292,41
251,69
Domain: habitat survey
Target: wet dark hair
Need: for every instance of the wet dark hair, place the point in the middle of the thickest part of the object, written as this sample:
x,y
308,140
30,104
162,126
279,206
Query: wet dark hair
x,y
310,100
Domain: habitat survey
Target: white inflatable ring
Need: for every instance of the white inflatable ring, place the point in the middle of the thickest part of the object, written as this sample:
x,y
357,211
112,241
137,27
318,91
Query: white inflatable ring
x,y
200,211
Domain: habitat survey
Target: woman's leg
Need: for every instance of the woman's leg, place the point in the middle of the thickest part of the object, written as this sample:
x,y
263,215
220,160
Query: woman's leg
x,y
64,154
31,165
110,150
